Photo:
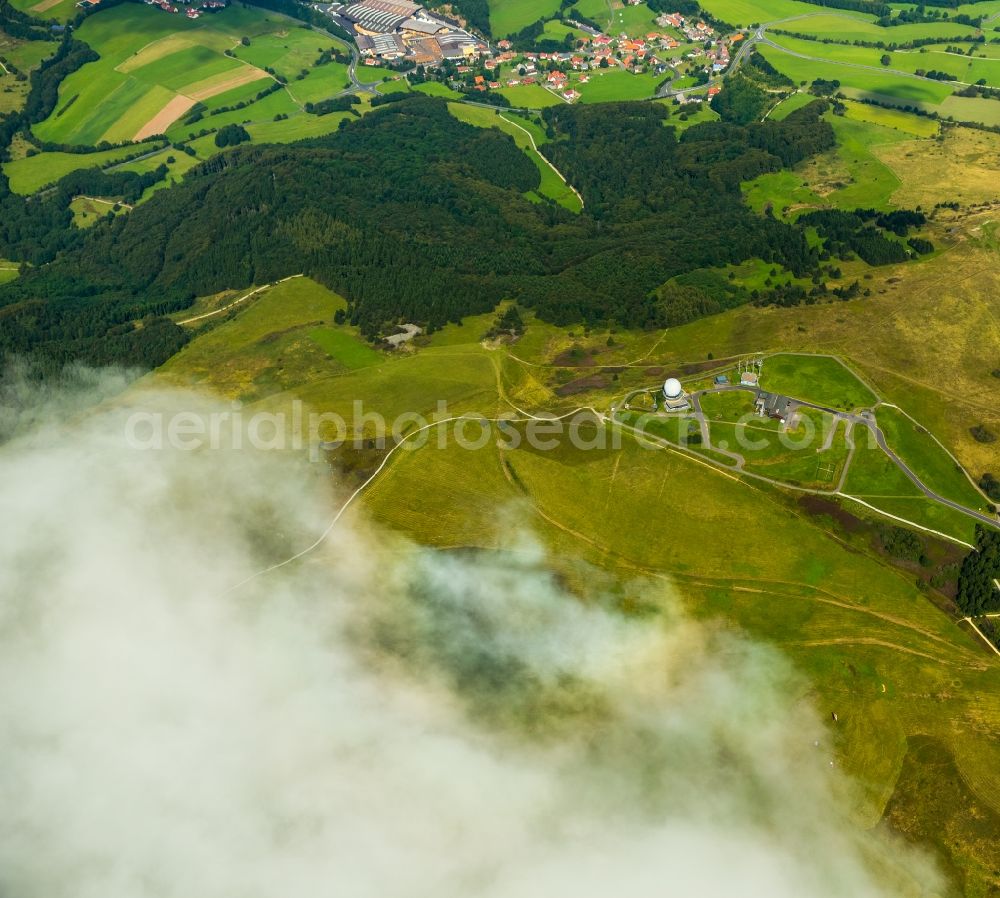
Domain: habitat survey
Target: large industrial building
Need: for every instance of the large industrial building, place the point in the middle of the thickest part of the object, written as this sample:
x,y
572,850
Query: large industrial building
x,y
390,29
381,16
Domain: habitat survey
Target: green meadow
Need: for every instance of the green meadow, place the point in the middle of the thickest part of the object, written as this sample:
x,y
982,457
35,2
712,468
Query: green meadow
x,y
437,89
58,10
530,96
848,177
897,119
31,173
822,380
747,12
510,16
787,106
611,85
847,27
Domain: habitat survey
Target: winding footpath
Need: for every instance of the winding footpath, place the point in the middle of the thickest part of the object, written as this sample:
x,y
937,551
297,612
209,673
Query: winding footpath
x,y
239,301
539,153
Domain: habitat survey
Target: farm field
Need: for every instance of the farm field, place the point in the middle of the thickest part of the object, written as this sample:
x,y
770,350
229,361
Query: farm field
x,y
153,67
558,31
8,272
278,103
971,109
530,96
59,10
632,20
847,27
897,119
436,89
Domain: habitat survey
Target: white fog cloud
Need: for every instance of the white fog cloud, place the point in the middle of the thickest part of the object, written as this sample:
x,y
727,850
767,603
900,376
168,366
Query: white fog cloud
x,y
380,720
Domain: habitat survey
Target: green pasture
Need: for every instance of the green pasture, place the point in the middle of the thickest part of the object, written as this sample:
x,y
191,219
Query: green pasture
x,y
268,345
60,11
262,111
148,57
611,85
510,16
787,106
632,20
917,125
530,96
747,12
437,89
25,55
32,173
924,513
850,176
8,271
556,30
971,109
345,347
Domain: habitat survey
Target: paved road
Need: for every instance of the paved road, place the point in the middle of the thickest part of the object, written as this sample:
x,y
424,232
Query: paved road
x,y
865,419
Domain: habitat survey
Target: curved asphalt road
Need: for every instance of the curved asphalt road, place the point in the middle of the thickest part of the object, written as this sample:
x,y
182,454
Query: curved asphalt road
x,y
864,420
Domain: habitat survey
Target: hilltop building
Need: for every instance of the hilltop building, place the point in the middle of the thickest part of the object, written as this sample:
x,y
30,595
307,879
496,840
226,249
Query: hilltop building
x,y
771,405
674,397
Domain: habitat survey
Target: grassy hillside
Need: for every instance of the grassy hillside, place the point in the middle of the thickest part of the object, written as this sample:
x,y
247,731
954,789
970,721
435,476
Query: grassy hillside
x,y
893,667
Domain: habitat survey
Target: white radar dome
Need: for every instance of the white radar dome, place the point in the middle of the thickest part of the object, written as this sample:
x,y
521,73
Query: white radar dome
x,y
672,389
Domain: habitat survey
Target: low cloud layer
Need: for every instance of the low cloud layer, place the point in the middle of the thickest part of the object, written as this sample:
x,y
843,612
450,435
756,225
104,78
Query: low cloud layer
x,y
378,720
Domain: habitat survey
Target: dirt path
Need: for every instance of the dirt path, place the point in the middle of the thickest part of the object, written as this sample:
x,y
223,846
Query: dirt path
x,y
236,302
